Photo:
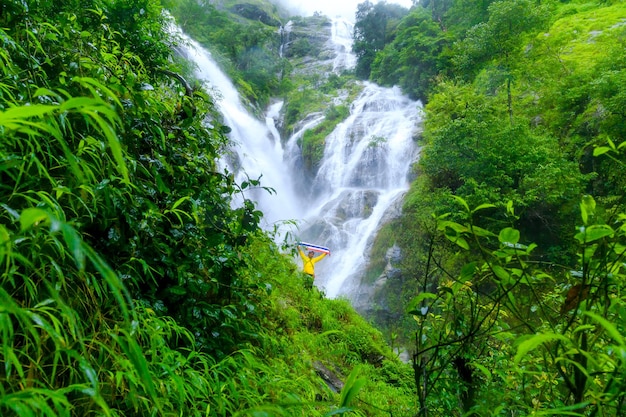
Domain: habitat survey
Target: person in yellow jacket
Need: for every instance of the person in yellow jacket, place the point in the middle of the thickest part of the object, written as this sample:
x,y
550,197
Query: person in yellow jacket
x,y
308,264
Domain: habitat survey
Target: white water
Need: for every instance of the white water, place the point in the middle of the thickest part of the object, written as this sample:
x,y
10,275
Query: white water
x,y
257,145
364,171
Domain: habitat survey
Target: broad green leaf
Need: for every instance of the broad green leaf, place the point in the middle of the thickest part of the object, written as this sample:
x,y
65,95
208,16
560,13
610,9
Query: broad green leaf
x,y
600,150
413,306
452,232
45,92
533,341
590,251
468,271
461,242
25,112
457,227
75,244
609,327
618,248
462,202
180,201
594,232
587,208
503,254
501,273
483,207
32,217
611,143
5,243
351,388
509,235
509,208
482,369
530,248
78,103
479,231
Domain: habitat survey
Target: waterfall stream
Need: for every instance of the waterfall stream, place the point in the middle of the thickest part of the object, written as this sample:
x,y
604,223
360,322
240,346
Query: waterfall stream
x,y
259,153
362,176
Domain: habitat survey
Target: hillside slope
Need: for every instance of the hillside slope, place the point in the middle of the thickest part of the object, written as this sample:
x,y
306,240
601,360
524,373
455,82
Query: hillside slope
x,y
130,285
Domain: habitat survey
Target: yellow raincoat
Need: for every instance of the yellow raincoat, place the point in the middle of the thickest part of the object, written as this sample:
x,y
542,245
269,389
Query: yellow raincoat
x,y
309,263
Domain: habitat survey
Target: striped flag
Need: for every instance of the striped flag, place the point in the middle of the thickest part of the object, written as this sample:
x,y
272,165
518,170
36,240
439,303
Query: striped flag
x,y
315,248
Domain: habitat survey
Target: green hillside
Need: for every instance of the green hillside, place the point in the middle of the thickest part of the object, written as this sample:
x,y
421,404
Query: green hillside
x,y
512,232
129,284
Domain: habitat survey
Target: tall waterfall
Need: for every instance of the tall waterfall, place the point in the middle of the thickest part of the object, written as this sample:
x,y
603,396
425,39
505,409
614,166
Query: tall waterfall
x,y
259,153
362,175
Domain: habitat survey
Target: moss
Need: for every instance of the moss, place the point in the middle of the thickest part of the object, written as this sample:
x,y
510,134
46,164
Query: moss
x,y
583,36
314,140
385,238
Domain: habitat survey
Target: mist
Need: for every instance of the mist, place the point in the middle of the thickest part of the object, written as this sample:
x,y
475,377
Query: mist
x,y
331,8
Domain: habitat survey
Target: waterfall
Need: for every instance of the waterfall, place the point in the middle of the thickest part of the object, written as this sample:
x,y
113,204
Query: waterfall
x,y
363,174
362,177
257,147
341,38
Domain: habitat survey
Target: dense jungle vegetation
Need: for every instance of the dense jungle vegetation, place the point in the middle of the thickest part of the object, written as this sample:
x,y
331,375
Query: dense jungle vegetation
x,y
131,286
513,233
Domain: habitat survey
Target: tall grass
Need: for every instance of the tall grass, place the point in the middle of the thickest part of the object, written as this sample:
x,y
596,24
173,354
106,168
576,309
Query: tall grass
x,y
73,341
128,284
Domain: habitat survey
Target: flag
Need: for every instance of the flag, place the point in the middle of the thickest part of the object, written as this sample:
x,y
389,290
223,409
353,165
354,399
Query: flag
x,y
315,248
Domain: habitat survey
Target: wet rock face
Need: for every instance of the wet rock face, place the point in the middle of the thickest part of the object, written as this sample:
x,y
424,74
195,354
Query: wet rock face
x,y
307,39
354,204
253,12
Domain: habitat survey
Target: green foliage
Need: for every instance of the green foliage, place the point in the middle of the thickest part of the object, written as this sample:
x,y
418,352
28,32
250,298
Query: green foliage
x,y
500,37
478,157
307,327
312,99
301,47
503,325
248,49
351,389
314,140
374,27
131,285
87,167
469,321
582,90
415,57
120,168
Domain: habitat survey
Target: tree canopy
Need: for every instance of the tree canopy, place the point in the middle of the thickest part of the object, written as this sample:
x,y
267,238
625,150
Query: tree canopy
x,y
511,227
132,284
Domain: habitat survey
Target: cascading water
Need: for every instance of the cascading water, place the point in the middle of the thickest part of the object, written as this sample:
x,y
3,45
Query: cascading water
x,y
259,153
363,172
341,37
